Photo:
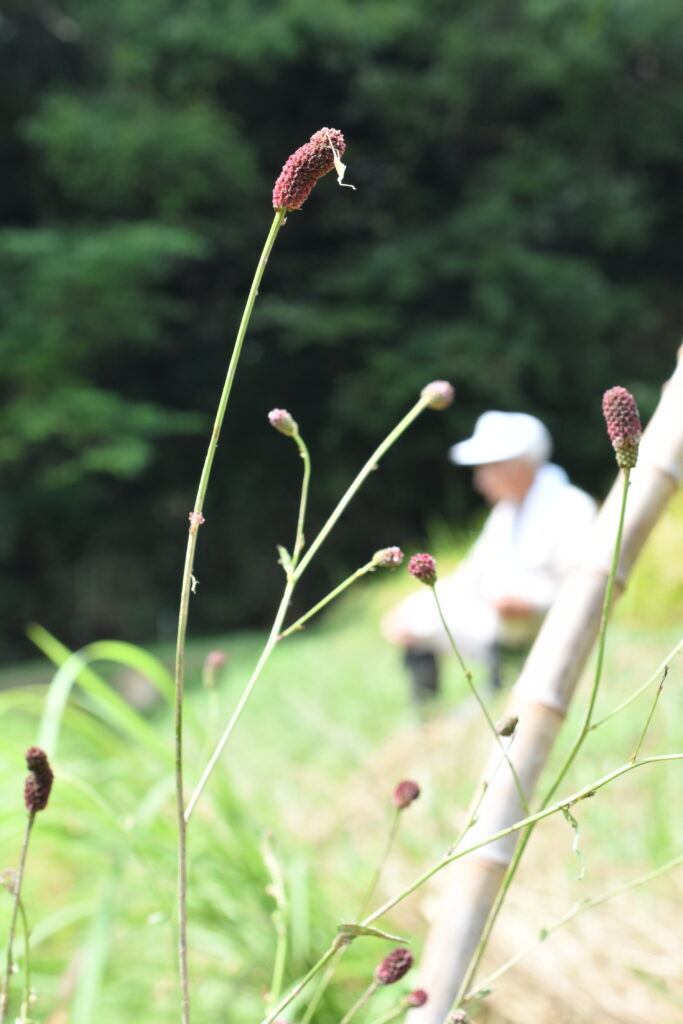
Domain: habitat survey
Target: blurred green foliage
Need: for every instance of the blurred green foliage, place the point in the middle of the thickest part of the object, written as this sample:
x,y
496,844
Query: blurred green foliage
x,y
515,229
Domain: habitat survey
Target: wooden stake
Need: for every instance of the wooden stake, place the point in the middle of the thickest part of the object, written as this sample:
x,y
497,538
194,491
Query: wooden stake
x,y
540,700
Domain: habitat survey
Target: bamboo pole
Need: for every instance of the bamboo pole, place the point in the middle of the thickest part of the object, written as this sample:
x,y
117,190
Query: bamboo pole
x,y
540,700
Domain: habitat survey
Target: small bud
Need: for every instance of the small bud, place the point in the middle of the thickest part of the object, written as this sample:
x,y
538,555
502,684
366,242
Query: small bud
x,y
418,997
506,726
388,558
623,425
212,663
304,167
282,421
394,966
459,1017
39,782
405,793
196,519
439,394
423,568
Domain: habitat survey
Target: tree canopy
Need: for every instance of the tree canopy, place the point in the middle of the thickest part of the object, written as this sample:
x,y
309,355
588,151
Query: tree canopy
x,y
515,228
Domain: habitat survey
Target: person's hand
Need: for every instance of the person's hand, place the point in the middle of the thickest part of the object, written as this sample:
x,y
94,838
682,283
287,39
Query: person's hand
x,y
511,607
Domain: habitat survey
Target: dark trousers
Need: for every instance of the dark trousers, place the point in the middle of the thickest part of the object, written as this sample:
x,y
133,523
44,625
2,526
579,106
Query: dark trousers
x,y
422,666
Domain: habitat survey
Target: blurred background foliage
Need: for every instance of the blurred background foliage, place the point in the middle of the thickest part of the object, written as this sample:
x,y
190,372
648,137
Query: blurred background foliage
x,y
516,229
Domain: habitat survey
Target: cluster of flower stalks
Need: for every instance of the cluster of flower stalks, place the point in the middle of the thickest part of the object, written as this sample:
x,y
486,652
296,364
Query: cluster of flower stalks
x,y
301,172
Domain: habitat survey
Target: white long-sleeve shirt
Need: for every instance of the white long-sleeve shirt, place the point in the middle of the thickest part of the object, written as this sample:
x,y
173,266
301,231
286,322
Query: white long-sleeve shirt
x,y
524,550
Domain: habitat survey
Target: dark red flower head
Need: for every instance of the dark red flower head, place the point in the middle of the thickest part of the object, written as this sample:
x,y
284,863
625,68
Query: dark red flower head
x,y
623,425
39,781
418,997
304,167
423,568
394,966
439,394
405,793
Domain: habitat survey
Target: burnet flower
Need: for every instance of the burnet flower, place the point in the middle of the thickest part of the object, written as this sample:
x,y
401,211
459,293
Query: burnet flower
x,y
305,166
623,425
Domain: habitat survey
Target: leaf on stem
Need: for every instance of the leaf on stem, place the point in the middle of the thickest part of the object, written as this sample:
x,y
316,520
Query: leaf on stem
x,y
352,931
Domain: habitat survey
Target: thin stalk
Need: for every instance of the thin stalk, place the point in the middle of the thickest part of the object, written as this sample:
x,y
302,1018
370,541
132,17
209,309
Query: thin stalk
x,y
532,819
303,982
481,702
368,567
360,1003
580,908
186,588
585,728
246,693
319,992
663,666
26,1002
573,798
18,879
392,1014
292,578
382,861
299,539
649,717
472,815
602,636
277,890
369,466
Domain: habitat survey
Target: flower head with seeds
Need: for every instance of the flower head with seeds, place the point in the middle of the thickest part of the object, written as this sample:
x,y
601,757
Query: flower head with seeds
x,y
439,394
394,966
623,425
405,793
418,997
283,421
423,568
304,167
388,558
39,781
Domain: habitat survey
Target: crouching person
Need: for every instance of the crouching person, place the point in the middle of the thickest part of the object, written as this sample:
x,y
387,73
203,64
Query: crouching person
x,y
533,537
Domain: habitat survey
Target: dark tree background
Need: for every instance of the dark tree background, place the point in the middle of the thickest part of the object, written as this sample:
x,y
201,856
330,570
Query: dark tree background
x,y
516,229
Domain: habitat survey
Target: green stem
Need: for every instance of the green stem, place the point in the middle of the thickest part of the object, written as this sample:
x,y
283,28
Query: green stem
x,y
581,794
293,577
392,1014
246,693
185,591
303,982
382,861
369,466
277,890
602,636
16,893
649,717
532,819
585,728
481,703
662,667
472,815
319,992
360,1003
580,908
368,567
299,539
27,965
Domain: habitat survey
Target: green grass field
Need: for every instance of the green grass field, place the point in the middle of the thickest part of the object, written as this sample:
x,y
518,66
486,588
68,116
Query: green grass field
x,y
312,764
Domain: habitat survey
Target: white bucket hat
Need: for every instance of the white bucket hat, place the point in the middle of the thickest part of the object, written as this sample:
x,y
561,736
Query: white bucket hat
x,y
503,435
